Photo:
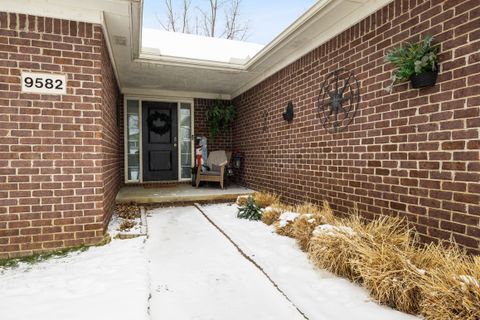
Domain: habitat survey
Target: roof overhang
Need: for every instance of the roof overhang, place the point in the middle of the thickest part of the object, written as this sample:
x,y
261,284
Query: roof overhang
x,y
140,72
320,23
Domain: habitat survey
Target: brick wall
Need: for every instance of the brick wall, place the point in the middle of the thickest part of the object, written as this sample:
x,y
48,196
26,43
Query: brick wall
x,y
412,152
57,154
112,147
222,141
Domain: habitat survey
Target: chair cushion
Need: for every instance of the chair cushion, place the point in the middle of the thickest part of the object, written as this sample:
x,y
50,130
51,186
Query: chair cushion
x,y
218,158
211,173
215,168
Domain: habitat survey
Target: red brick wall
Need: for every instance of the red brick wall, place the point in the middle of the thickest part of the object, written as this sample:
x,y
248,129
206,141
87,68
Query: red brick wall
x,y
112,146
412,152
222,141
52,172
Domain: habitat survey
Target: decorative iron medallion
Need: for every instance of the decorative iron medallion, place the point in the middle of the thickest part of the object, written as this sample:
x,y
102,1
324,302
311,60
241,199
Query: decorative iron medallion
x,y
338,100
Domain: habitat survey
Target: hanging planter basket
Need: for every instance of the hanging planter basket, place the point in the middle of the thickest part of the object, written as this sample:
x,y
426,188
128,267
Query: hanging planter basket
x,y
424,79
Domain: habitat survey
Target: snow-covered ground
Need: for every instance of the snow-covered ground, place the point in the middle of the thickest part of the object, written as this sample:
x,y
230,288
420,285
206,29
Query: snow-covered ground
x,y
197,274
317,293
109,282
186,270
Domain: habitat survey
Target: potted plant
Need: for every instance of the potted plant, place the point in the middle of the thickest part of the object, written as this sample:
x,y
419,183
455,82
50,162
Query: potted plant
x,y
417,62
219,118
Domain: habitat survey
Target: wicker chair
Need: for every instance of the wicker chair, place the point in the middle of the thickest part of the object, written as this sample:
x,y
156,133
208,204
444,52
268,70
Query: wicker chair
x,y
216,162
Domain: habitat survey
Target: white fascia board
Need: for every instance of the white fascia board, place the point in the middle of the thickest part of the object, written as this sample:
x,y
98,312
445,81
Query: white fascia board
x,y
110,50
84,11
173,94
280,40
188,62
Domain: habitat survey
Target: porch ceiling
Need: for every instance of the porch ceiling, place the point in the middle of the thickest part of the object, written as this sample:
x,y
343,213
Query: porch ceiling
x,y
147,73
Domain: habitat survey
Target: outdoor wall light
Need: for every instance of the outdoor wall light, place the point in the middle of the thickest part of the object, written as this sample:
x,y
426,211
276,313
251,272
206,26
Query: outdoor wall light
x,y
288,115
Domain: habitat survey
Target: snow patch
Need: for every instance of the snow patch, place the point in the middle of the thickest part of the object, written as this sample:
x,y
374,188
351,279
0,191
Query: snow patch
x,y
418,270
268,209
287,217
469,280
329,230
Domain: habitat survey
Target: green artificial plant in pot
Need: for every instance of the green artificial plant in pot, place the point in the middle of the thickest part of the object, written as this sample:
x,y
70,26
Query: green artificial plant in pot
x,y
219,118
417,62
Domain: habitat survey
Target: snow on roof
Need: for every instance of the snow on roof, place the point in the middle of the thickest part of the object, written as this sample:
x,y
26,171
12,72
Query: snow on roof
x,y
175,44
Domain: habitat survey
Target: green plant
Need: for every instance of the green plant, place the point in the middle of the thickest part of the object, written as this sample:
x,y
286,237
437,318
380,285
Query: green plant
x,y
412,59
40,257
250,211
219,118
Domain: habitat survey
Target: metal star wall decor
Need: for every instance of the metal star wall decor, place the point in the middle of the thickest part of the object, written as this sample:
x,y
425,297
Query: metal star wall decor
x,y
338,100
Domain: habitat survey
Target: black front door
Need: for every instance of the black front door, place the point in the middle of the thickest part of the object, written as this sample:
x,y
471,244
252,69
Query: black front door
x,y
160,156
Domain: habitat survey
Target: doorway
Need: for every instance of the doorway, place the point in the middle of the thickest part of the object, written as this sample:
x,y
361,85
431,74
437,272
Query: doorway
x,y
160,141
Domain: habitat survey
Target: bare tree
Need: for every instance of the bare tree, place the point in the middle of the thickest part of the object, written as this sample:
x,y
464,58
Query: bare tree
x,y
206,20
173,21
209,18
234,27
185,17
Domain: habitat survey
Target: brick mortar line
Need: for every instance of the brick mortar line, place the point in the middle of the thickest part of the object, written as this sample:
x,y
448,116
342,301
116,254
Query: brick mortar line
x,y
199,208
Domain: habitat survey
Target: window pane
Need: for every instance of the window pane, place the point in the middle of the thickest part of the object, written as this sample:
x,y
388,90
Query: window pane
x,y
185,140
133,140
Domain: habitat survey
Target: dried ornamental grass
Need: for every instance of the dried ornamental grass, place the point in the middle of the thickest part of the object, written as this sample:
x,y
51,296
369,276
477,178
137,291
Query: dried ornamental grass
x,y
307,207
311,216
303,227
391,230
384,263
389,276
327,212
242,200
334,247
452,291
284,226
282,207
265,199
270,215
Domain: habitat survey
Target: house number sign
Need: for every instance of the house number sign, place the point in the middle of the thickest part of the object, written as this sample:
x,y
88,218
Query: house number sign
x,y
44,83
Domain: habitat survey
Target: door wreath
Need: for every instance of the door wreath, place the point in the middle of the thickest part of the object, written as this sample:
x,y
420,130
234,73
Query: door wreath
x,y
163,128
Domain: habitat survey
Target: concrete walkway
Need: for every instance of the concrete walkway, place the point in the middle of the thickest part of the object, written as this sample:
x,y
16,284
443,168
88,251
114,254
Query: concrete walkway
x,y
196,273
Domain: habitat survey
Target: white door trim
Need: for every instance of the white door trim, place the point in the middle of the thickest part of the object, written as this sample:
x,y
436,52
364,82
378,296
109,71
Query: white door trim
x,y
140,99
